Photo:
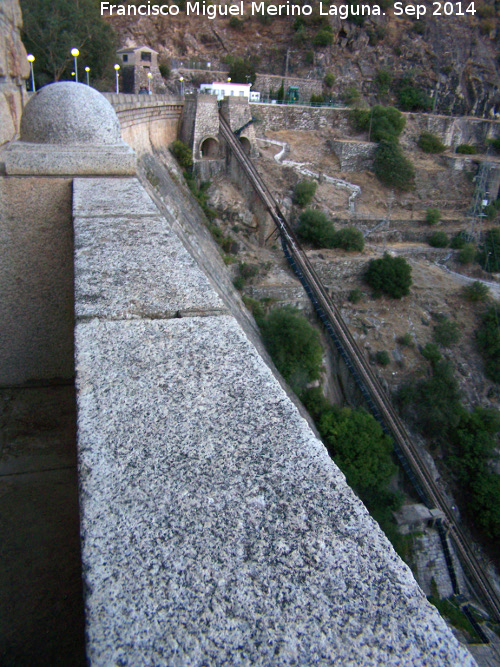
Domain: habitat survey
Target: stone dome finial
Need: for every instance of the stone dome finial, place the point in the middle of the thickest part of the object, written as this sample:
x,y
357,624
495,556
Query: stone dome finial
x,y
69,113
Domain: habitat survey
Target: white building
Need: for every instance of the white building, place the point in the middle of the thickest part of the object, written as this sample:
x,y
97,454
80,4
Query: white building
x,y
224,89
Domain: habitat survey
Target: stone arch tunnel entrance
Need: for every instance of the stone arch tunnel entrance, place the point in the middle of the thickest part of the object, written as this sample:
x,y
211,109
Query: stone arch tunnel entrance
x,y
246,145
209,148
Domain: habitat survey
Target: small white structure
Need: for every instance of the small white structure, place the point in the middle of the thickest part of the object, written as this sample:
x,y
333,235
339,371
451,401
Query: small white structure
x,y
224,89
254,96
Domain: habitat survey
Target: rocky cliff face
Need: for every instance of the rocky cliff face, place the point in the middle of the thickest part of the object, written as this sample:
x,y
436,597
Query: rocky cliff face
x,y
13,69
455,54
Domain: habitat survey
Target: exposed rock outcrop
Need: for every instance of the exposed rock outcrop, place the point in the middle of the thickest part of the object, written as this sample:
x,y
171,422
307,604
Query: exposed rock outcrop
x,y
13,69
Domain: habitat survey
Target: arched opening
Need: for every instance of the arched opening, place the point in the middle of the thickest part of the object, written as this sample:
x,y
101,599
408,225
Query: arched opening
x,y
246,145
209,148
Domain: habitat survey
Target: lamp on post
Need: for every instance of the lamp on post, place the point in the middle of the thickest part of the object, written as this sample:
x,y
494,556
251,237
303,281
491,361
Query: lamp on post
x,y
87,70
31,60
117,67
75,53
150,76
182,85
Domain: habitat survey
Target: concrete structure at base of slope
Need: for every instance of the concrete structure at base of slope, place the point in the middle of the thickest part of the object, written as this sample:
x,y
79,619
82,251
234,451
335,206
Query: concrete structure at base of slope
x,y
215,528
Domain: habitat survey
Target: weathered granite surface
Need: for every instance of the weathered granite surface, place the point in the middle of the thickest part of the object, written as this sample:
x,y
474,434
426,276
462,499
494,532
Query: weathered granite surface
x,y
131,265
22,159
83,116
215,528
69,129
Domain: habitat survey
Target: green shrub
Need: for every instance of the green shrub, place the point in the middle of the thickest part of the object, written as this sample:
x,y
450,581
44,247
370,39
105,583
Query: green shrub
x,y
294,347
433,404
182,153
375,35
309,57
430,143
329,79
300,37
466,149
485,504
239,282
412,97
323,38
485,11
382,358
383,80
315,227
304,192
317,100
355,296
389,275
254,306
263,17
406,340
359,447
489,255
467,254
236,23
349,238
447,333
392,167
491,209
473,442
419,27
488,343
248,271
438,240
476,291
242,71
164,69
431,353
350,96
432,216
459,241
382,123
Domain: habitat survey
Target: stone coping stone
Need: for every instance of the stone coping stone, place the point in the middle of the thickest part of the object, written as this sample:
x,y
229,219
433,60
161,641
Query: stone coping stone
x,y
131,264
101,197
215,528
23,158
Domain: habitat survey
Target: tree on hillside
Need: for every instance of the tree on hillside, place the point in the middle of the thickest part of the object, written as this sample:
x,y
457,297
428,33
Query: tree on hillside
x,y
51,28
315,227
382,123
359,447
242,71
293,345
392,167
389,275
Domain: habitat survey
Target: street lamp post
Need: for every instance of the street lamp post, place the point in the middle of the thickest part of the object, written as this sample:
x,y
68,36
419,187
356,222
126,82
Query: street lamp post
x,y
150,76
117,67
75,53
31,60
87,70
182,85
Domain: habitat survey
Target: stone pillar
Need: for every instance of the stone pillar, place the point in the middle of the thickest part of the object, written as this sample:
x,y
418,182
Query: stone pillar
x,y
67,129
13,69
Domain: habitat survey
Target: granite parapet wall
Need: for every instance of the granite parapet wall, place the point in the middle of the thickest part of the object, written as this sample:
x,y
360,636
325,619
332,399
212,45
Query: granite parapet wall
x,y
211,515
